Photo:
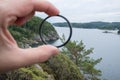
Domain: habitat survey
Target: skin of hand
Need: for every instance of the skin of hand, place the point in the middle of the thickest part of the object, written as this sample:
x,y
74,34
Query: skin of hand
x,y
18,12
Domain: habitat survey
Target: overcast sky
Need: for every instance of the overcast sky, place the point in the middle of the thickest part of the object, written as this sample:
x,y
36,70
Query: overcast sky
x,y
88,10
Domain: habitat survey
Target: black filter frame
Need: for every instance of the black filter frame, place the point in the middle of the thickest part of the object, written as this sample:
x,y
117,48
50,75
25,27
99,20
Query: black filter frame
x,y
69,25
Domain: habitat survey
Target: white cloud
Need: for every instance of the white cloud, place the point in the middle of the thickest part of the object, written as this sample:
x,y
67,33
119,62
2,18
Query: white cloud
x,y
89,10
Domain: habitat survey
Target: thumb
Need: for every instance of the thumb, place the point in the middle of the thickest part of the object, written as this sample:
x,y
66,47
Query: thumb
x,y
37,55
45,6
15,57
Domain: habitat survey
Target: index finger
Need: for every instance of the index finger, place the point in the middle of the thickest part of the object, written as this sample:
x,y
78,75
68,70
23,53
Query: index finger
x,y
45,6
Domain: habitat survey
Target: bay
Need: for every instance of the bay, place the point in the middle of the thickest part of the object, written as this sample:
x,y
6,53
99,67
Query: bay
x,y
106,45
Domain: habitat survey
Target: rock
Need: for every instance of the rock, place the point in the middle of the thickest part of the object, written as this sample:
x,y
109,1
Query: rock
x,y
38,66
50,77
118,32
107,32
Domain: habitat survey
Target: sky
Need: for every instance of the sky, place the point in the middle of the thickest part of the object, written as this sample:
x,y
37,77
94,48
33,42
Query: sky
x,y
88,10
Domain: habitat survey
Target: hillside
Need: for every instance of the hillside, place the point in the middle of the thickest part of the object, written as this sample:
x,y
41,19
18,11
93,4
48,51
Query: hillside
x,y
28,34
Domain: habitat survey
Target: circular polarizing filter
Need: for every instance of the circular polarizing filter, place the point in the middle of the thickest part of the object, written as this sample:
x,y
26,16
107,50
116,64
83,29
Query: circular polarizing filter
x,y
52,35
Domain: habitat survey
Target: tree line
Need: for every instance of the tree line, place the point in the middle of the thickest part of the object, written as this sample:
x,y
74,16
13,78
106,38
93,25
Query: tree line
x,y
91,25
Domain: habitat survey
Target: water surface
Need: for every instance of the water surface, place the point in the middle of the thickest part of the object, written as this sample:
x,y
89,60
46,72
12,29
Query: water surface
x,y
106,45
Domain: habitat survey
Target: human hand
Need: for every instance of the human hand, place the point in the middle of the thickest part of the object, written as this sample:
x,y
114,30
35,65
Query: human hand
x,y
18,12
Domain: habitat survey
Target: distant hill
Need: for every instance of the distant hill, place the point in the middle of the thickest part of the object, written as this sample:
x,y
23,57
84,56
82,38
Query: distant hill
x,y
91,25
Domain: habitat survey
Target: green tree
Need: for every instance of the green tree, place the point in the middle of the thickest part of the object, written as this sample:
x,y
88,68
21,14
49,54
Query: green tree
x,y
62,67
77,52
28,73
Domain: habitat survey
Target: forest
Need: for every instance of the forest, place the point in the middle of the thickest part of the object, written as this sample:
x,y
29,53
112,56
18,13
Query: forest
x,y
92,25
73,62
